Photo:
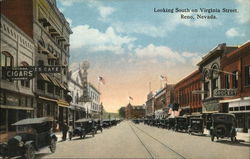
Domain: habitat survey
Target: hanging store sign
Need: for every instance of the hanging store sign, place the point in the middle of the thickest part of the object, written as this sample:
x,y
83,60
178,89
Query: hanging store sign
x,y
225,92
27,72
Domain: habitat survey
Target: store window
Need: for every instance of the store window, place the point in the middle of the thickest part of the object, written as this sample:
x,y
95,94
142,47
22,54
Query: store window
x,y
12,99
247,75
235,79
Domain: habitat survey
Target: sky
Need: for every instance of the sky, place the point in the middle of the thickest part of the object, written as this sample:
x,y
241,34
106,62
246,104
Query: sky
x,y
130,44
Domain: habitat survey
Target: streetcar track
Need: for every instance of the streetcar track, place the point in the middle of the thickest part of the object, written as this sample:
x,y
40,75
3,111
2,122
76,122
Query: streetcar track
x,y
151,154
166,146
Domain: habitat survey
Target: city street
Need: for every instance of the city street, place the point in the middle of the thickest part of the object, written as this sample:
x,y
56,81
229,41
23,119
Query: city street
x,y
129,140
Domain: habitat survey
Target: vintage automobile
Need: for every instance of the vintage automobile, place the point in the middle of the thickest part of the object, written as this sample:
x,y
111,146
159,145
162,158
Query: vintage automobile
x,y
84,127
181,123
196,125
223,125
106,123
32,135
98,125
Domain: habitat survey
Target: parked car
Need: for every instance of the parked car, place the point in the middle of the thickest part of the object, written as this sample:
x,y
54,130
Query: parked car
x,y
32,135
98,125
106,123
196,125
84,127
223,125
181,123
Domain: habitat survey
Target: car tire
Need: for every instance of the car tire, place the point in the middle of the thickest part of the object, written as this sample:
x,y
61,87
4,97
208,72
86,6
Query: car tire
x,y
212,137
30,152
52,146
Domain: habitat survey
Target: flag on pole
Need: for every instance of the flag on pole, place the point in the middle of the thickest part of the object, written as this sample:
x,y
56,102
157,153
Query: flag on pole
x,y
101,80
130,98
163,78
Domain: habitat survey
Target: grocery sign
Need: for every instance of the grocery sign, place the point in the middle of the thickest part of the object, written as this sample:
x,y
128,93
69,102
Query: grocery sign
x,y
27,72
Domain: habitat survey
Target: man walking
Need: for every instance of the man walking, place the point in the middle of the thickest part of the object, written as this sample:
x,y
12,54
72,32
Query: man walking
x,y
65,129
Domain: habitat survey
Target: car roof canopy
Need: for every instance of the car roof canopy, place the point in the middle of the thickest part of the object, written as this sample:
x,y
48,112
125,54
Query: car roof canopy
x,y
31,121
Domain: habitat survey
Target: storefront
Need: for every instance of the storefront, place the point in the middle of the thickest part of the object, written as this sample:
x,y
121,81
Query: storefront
x,y
14,107
240,107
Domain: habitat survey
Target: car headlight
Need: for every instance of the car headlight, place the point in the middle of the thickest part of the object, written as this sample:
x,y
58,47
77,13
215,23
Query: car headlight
x,y
21,143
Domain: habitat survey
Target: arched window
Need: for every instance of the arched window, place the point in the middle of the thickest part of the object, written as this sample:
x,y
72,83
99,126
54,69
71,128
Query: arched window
x,y
25,83
6,59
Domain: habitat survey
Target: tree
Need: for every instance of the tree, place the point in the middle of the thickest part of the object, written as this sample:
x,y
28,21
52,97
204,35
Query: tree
x,y
121,112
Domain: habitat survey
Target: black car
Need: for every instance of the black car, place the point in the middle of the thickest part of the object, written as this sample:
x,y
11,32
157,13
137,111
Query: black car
x,y
223,125
98,125
106,123
32,135
84,127
181,123
196,125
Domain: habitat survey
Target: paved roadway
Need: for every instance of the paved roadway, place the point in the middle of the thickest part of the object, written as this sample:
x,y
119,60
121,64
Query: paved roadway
x,y
129,140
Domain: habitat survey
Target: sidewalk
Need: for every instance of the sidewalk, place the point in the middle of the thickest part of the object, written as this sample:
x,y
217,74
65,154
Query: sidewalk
x,y
240,136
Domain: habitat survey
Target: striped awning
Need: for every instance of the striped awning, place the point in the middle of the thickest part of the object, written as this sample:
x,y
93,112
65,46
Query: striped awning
x,y
44,77
53,80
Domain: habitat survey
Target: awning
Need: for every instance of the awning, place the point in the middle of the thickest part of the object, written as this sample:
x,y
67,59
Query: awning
x,y
15,107
62,103
48,99
44,77
53,80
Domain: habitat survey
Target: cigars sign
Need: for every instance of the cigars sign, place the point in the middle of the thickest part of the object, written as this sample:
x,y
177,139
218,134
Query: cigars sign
x,y
225,92
27,72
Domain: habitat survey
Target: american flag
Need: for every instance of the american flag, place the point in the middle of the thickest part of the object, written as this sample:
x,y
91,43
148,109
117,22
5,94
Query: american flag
x,y
101,80
163,78
130,98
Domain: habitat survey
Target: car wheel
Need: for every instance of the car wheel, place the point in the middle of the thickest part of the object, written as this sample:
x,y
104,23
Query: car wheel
x,y
30,152
52,146
83,135
212,137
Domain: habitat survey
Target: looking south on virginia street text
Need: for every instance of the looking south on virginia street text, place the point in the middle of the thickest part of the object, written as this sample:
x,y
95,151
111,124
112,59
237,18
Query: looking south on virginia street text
x,y
197,13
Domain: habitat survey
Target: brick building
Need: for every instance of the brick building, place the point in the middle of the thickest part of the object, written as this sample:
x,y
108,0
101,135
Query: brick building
x,y
188,102
210,80
133,112
236,75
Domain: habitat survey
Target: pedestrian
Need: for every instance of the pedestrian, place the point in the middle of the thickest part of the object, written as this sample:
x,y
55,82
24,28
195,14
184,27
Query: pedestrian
x,y
65,129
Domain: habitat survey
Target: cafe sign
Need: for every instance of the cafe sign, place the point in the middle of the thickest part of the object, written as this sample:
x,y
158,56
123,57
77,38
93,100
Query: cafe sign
x,y
225,92
27,72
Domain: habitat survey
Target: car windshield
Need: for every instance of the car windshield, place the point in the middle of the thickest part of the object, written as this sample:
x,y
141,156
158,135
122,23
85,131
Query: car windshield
x,y
26,129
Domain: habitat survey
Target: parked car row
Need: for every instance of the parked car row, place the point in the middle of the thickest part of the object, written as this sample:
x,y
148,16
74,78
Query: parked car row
x,y
223,125
34,134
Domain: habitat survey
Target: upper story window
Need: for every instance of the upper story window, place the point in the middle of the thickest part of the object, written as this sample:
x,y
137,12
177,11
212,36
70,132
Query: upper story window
x,y
25,83
227,81
6,59
247,75
235,79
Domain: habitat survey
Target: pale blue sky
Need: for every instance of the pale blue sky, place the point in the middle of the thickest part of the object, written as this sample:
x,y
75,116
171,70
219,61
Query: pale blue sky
x,y
127,42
